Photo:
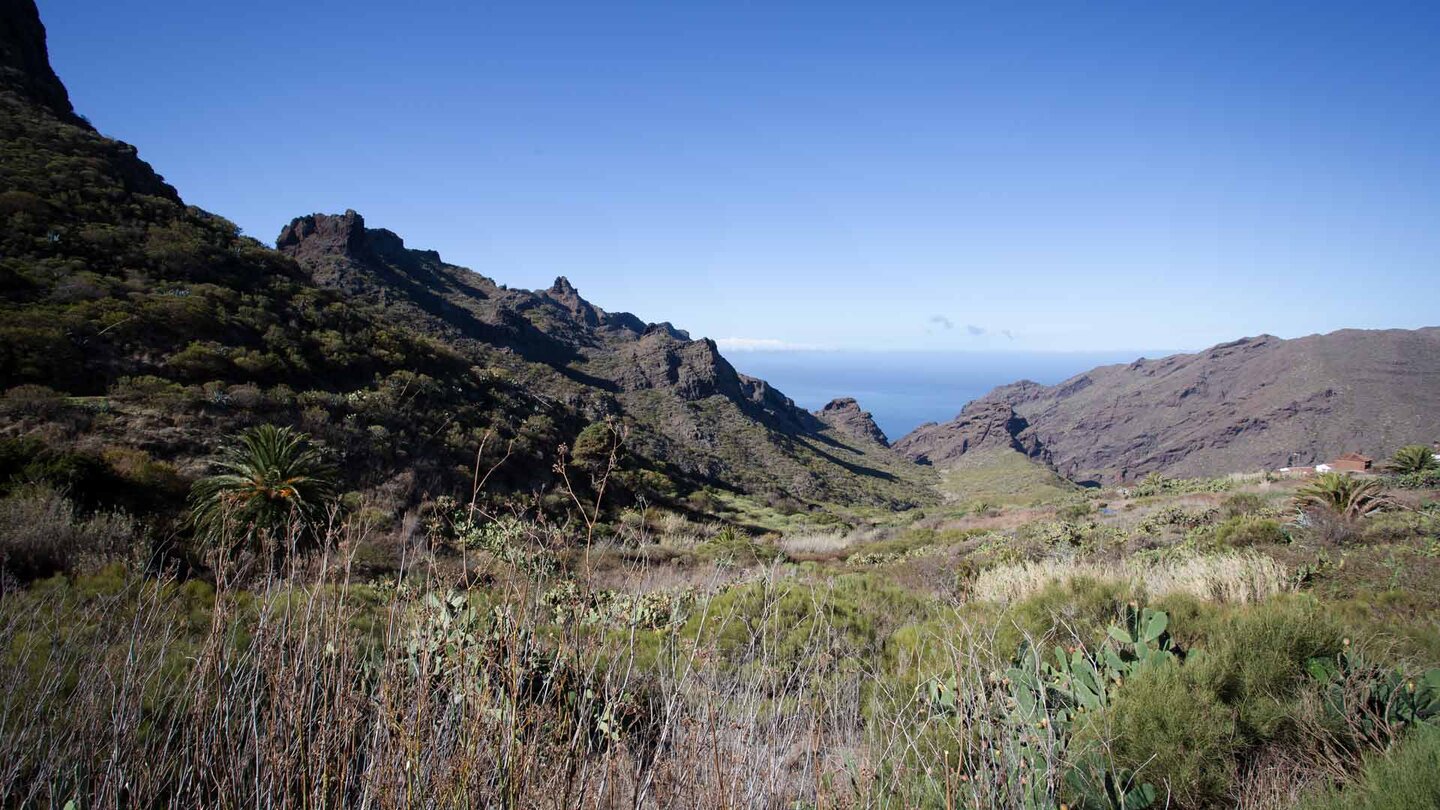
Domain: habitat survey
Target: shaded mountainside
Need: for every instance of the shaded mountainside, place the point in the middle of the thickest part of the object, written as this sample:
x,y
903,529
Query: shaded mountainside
x,y
139,332
687,404
1256,403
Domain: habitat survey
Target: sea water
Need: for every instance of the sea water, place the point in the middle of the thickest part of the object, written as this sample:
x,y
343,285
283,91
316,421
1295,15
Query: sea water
x,y
904,390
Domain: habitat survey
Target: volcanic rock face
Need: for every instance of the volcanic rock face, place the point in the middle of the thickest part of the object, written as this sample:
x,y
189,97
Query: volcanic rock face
x,y
25,62
1252,404
983,423
844,414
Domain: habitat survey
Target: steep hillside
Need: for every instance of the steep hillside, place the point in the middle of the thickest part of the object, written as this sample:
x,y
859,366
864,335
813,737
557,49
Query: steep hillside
x,y
1256,403
137,333
685,403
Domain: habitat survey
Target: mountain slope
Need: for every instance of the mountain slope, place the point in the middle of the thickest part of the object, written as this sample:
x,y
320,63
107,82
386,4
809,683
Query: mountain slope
x,y
1256,403
139,332
686,404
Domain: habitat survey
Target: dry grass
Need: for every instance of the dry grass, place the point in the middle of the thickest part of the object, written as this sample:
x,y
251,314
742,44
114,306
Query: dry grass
x,y
1231,577
817,543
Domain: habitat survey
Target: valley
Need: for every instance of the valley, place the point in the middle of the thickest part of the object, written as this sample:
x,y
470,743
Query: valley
x,y
334,522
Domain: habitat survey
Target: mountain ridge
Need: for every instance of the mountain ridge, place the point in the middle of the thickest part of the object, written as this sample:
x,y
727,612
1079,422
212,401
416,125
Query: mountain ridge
x,y
1258,402
135,324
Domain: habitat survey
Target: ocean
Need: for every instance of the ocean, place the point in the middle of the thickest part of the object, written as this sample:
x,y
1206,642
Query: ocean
x,y
904,390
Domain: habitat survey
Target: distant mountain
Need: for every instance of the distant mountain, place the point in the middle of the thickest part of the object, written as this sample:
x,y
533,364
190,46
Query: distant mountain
x,y
1257,403
136,330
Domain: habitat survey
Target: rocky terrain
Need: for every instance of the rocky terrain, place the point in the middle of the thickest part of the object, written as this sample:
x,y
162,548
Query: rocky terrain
x,y
688,405
845,415
1252,404
135,326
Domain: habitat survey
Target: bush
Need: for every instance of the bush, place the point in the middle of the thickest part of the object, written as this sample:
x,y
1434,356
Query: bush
x,y
1425,479
1244,531
1242,503
1078,609
43,533
771,628
1260,661
732,547
1170,731
1398,527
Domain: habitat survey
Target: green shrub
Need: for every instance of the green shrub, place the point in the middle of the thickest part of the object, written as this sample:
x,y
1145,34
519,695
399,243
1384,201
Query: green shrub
x,y
1398,527
1255,659
1425,479
1075,610
1157,484
1243,531
1170,731
731,546
769,628
1242,503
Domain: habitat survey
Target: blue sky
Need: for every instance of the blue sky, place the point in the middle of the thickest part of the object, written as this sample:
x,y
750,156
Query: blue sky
x,y
1077,176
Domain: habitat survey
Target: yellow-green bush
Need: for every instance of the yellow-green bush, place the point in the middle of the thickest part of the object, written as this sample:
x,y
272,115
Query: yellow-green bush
x,y
1170,730
1243,531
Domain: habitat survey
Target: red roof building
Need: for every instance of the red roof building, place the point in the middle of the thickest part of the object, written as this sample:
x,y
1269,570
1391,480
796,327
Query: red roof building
x,y
1352,462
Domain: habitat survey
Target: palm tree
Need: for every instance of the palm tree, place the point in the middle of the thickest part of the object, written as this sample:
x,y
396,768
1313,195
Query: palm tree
x,y
272,480
1412,458
1342,495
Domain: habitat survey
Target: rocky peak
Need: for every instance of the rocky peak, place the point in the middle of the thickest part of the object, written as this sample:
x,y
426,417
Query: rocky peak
x,y
324,235
844,414
667,328
564,293
25,60
986,422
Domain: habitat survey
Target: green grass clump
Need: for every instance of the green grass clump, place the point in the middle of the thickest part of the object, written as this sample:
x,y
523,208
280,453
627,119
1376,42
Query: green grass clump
x,y
1404,778
734,547
1074,610
1244,531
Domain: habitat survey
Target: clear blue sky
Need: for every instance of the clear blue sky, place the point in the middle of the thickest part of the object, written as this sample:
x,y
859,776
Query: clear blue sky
x,y
879,175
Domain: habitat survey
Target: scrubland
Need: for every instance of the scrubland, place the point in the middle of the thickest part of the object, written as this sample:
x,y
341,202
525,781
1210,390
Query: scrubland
x,y
1188,644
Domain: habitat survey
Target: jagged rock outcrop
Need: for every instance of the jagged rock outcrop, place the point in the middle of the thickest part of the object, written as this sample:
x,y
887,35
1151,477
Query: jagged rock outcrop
x,y
844,414
1250,404
982,424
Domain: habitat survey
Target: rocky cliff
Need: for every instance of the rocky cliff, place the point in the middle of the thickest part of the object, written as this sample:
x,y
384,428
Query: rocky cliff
x,y
1256,403
845,415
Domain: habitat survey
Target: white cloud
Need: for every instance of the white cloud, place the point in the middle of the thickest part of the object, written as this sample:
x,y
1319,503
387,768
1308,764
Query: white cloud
x,y
741,344
975,331
941,320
